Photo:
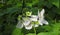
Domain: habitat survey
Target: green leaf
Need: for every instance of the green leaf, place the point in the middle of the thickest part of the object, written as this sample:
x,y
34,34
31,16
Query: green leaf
x,y
1,5
44,33
19,17
55,2
29,4
9,10
17,31
30,34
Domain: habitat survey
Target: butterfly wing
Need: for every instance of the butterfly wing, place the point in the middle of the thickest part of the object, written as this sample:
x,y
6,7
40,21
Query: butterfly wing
x,y
41,14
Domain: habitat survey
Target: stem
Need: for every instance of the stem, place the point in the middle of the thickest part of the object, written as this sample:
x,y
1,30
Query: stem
x,y
55,20
34,29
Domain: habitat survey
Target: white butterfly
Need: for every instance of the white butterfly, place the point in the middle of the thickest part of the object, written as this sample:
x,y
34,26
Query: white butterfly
x,y
27,21
41,17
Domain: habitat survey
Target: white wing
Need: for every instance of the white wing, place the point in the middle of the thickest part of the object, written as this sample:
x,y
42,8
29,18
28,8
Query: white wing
x,y
28,27
26,21
41,14
19,25
34,18
45,22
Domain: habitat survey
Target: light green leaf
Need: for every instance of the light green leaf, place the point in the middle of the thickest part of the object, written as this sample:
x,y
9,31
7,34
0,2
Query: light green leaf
x,y
55,2
17,31
44,33
30,34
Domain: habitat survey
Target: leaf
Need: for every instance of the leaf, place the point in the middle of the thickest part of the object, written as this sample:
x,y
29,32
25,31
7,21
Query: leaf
x,y
1,5
9,10
44,33
17,31
30,34
55,2
34,11
29,4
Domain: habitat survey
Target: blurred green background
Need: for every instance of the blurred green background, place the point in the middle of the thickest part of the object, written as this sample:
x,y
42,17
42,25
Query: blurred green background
x,y
10,9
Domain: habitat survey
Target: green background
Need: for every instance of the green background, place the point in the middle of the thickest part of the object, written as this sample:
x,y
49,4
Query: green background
x,y
10,9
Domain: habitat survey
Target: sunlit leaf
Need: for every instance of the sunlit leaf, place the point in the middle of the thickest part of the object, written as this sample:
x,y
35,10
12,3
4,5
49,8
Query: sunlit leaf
x,y
17,31
30,34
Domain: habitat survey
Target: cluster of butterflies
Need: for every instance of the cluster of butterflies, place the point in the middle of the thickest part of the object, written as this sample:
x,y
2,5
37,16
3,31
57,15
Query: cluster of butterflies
x,y
33,18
